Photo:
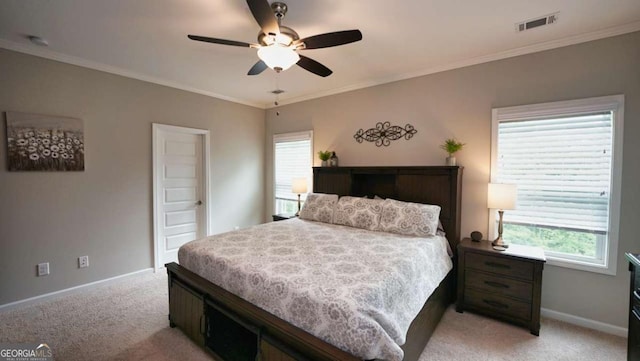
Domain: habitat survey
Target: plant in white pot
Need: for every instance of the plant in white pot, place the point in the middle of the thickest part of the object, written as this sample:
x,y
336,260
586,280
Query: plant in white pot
x,y
451,146
324,156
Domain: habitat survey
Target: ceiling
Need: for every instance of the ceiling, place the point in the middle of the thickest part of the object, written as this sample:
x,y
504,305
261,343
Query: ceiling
x,y
147,39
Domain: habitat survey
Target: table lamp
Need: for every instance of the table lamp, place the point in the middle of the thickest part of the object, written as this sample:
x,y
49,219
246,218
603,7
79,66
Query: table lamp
x,y
299,186
501,196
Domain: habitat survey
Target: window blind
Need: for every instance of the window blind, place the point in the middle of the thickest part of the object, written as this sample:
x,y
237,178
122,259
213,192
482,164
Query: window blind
x,y
562,167
292,160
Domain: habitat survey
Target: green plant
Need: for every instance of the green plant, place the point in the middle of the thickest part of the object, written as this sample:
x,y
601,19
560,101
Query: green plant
x,y
324,155
451,146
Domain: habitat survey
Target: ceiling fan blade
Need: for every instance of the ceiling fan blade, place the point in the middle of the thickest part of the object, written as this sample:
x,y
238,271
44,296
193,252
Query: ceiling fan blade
x,y
257,68
331,39
313,66
264,15
219,41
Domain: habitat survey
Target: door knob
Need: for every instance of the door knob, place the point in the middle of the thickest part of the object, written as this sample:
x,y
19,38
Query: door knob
x,y
198,203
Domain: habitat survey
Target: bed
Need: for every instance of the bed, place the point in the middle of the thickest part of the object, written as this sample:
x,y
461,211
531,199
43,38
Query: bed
x,y
235,322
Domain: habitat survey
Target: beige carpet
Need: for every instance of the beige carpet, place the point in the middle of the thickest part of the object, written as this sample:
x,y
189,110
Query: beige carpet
x,y
127,320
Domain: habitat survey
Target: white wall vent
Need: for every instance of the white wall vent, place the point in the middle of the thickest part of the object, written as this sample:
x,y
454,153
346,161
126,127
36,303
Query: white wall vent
x,y
534,23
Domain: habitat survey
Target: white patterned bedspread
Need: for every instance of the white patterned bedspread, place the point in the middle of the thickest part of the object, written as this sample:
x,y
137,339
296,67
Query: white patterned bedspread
x,y
356,289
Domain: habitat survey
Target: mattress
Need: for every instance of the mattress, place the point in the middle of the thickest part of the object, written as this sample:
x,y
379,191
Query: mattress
x,y
356,289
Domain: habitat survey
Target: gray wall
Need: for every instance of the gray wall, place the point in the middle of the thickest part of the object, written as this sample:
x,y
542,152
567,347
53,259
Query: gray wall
x,y
458,103
106,211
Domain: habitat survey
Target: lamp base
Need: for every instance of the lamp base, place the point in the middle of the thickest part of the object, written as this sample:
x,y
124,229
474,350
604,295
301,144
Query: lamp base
x,y
499,242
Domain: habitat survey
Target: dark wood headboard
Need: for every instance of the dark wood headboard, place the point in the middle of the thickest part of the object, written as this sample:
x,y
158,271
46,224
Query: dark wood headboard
x,y
439,185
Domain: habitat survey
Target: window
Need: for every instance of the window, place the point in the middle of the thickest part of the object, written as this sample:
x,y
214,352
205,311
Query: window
x,y
293,158
566,159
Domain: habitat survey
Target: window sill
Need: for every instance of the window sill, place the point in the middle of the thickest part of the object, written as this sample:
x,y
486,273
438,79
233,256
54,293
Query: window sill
x,y
581,266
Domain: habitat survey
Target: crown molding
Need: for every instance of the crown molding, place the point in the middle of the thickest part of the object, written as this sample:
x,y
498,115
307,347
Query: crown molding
x,y
69,59
571,40
548,45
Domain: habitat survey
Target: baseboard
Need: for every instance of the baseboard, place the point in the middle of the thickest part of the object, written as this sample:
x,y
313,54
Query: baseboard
x,y
40,298
585,322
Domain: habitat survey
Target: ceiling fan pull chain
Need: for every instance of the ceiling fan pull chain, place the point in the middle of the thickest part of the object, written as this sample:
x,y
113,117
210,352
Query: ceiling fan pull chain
x,y
277,92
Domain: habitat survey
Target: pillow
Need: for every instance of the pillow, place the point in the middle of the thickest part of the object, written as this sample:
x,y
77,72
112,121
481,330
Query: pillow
x,y
440,228
319,207
412,219
358,212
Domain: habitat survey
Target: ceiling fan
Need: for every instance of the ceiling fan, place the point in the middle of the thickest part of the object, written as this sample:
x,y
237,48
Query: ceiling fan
x,y
278,45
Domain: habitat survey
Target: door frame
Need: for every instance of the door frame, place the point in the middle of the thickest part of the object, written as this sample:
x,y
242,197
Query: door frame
x,y
206,191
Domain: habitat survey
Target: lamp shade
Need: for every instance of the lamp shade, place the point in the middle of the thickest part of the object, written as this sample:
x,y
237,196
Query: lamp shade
x,y
502,196
299,186
278,56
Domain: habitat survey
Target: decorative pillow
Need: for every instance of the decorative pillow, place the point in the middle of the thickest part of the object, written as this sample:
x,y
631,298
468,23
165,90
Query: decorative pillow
x,y
412,219
319,207
358,212
440,231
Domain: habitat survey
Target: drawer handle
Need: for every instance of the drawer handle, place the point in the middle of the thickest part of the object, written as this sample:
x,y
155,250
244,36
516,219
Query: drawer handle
x,y
636,295
495,304
497,265
496,284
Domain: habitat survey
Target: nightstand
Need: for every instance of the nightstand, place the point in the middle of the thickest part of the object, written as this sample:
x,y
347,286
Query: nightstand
x,y
283,216
501,284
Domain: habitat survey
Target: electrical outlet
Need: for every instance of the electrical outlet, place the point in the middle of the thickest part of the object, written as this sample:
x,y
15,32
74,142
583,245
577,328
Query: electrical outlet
x,y
83,261
43,269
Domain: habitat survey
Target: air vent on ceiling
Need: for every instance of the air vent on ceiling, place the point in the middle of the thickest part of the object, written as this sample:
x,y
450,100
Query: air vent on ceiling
x,y
534,23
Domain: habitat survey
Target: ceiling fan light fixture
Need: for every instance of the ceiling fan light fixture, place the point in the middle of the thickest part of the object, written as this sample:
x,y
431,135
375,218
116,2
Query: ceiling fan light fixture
x,y
278,45
283,39
278,57
280,39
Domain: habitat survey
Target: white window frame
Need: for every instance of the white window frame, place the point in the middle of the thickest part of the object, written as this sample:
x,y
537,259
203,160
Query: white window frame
x,y
613,103
283,137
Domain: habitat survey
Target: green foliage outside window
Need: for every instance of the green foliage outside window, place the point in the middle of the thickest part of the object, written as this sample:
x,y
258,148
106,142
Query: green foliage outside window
x,y
286,206
552,239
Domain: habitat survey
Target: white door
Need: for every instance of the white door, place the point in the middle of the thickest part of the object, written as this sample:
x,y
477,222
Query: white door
x,y
180,202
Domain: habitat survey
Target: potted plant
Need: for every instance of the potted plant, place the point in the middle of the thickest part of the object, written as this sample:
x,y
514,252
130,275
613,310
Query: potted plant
x,y
324,157
451,146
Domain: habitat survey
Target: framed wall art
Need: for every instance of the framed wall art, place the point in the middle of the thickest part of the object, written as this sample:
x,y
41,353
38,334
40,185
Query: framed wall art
x,y
38,142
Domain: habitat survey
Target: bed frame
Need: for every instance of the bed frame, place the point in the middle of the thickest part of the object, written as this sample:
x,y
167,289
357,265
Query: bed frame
x,y
249,332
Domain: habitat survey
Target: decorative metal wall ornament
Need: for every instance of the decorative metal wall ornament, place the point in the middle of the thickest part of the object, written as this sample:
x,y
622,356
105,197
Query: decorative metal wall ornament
x,y
384,133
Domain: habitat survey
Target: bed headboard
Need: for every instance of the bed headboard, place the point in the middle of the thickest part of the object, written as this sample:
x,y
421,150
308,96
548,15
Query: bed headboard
x,y
439,185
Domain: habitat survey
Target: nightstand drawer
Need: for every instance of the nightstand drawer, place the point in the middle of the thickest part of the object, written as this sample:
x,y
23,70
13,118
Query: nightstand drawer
x,y
502,305
500,265
499,285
